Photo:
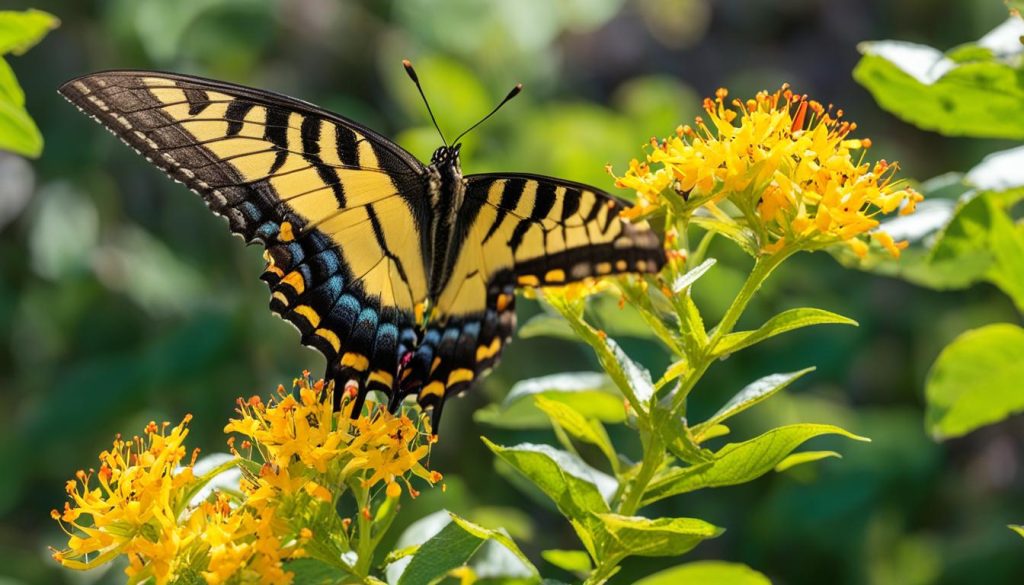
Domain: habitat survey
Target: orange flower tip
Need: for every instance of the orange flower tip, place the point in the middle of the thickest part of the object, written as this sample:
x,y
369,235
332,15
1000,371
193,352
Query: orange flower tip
x,y
413,493
305,534
305,373
55,514
366,514
865,142
246,444
345,523
602,335
393,490
151,427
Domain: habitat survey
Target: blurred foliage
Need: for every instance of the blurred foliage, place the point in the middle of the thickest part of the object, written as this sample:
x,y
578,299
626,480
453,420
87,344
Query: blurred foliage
x,y
139,306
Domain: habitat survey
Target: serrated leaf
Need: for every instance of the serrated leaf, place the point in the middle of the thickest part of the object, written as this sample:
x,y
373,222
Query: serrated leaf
x,y
737,463
573,561
707,573
713,432
686,280
781,323
750,395
578,426
976,381
804,457
659,537
922,86
10,89
20,30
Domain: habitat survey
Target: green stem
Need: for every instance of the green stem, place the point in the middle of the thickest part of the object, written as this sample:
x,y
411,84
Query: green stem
x,y
634,493
763,268
603,571
364,540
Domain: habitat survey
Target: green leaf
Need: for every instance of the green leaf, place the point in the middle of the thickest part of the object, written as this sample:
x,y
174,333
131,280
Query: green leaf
x,y
983,243
737,463
592,394
781,323
10,90
579,426
632,379
805,457
498,536
573,561
750,395
707,573
450,548
578,490
1017,528
976,381
926,88
743,236
685,281
20,31
18,133
310,571
544,325
660,537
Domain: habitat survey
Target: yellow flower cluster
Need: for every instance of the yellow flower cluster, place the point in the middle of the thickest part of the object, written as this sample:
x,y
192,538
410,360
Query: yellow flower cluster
x,y
787,166
138,503
378,446
132,503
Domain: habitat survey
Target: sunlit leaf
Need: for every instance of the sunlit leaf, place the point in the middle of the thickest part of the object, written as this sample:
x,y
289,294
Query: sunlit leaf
x,y
591,394
578,490
707,573
750,395
982,243
738,463
19,31
659,537
686,280
998,172
573,561
781,323
313,572
499,537
18,133
450,548
976,380
743,236
1017,528
804,457
578,426
921,85
632,379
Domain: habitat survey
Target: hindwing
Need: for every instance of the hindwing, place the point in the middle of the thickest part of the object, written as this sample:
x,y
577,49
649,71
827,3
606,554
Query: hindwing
x,y
519,230
341,210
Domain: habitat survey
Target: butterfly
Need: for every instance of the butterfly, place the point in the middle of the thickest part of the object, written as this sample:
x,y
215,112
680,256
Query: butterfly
x,y
402,274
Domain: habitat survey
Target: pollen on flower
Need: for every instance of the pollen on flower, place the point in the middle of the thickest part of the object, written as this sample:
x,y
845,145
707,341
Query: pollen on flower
x,y
788,164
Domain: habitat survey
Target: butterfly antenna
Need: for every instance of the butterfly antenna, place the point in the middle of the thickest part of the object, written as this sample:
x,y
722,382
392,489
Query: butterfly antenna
x,y
415,79
515,91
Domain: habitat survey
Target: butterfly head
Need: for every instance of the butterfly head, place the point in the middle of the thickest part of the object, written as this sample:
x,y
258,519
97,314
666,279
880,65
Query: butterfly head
x,y
446,156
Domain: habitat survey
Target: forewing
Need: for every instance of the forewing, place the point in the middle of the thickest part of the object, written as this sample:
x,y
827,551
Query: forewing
x,y
339,208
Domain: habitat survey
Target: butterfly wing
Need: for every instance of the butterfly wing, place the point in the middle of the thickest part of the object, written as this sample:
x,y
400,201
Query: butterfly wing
x,y
340,209
519,230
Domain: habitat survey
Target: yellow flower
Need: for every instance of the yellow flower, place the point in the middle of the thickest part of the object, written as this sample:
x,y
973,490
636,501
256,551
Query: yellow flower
x,y
787,166
131,505
329,445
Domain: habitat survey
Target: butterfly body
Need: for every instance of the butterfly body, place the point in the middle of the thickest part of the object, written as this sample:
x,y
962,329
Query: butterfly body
x,y
402,274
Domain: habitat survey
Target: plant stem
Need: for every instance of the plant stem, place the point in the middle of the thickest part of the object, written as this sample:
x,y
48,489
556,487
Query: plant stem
x,y
364,542
653,450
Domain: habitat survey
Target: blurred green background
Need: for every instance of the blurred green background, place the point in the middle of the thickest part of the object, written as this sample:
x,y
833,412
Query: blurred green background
x,y
123,300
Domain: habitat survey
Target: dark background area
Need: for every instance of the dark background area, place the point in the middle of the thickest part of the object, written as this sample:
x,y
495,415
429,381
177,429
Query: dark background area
x,y
123,300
